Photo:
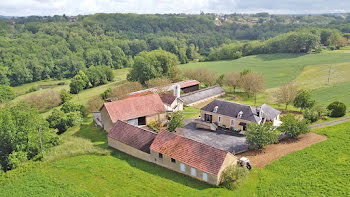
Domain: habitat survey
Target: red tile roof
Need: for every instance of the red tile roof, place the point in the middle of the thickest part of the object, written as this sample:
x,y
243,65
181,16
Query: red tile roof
x,y
168,99
134,107
133,136
190,152
188,83
140,94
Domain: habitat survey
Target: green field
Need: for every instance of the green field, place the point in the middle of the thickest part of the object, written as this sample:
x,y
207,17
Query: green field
x,y
85,166
277,68
338,92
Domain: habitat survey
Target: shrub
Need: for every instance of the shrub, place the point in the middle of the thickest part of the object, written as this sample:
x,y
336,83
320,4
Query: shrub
x,y
303,100
258,136
65,96
6,93
32,89
44,99
337,109
293,127
16,159
155,126
233,177
71,107
176,121
94,104
62,121
311,115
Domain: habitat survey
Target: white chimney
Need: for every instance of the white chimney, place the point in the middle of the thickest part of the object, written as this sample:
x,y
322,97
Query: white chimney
x,y
240,114
177,90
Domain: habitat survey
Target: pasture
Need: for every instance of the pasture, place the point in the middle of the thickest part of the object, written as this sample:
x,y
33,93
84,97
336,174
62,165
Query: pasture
x,y
277,68
96,170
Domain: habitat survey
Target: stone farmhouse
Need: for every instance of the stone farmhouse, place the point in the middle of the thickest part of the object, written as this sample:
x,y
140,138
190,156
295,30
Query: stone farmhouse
x,y
140,110
236,116
172,151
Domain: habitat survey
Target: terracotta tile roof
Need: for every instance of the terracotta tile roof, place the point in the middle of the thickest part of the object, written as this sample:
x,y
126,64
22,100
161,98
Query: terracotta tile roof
x,y
190,152
184,84
168,99
134,107
133,136
140,94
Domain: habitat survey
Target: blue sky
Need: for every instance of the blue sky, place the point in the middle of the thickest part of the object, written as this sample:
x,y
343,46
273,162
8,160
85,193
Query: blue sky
x,y
75,7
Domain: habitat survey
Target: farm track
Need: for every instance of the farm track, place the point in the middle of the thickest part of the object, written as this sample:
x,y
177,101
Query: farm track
x,y
330,123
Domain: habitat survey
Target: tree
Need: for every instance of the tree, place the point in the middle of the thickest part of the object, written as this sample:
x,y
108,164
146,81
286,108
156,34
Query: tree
x,y
337,109
260,135
6,93
65,95
94,104
176,120
122,90
77,84
62,121
153,64
202,74
19,135
293,127
303,100
231,79
286,94
311,114
252,84
233,176
159,84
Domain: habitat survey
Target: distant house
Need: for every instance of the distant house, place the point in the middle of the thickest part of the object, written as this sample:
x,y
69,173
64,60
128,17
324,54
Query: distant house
x,y
140,110
202,95
190,157
132,140
172,103
237,116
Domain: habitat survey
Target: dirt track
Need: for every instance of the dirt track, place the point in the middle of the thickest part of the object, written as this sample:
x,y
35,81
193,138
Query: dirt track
x,y
272,152
330,123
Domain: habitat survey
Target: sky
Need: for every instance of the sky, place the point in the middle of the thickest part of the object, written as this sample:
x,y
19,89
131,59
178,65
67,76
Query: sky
x,y
83,7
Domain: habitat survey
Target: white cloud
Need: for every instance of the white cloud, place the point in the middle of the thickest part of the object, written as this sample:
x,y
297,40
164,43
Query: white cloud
x,y
75,7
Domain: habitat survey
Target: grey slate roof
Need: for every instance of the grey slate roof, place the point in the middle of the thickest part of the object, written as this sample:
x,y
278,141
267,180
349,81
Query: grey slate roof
x,y
232,109
269,112
201,94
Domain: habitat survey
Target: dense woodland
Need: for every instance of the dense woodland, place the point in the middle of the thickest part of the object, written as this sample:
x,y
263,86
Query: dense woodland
x,y
37,48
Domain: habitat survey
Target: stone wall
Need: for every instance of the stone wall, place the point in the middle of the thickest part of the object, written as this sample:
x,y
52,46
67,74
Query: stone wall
x,y
167,163
129,150
156,117
225,120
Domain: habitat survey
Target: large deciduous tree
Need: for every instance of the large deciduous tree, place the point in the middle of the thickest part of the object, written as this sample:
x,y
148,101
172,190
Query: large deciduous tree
x,y
303,100
252,83
286,94
231,79
153,64
202,74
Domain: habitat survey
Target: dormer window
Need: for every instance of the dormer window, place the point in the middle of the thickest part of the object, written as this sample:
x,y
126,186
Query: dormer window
x,y
216,109
240,114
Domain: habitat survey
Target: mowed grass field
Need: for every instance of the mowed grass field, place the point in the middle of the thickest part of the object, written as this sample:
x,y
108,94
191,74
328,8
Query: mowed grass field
x,y
96,170
277,68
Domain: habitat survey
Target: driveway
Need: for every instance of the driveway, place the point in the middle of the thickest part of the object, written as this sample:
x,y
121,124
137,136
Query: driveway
x,y
220,139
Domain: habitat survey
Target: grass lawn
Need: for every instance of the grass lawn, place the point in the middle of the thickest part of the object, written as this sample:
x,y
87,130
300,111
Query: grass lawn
x,y
338,92
191,112
277,68
319,170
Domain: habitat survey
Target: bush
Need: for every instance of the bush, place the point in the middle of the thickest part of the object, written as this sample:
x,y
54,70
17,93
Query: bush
x,y
303,100
311,115
337,109
65,96
32,89
155,126
62,121
94,104
293,127
258,136
176,121
16,159
71,107
6,93
233,177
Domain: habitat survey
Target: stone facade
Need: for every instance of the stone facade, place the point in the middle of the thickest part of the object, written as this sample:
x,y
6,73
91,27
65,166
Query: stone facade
x,y
178,166
156,117
129,150
225,120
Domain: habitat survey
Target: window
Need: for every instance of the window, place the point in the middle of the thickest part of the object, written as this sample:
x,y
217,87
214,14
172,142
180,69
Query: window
x,y
182,167
160,155
232,123
205,176
173,160
193,172
219,119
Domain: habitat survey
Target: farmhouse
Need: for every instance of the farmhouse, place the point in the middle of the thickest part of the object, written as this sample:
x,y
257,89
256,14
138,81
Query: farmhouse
x,y
202,95
140,110
132,140
236,116
190,157
172,103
